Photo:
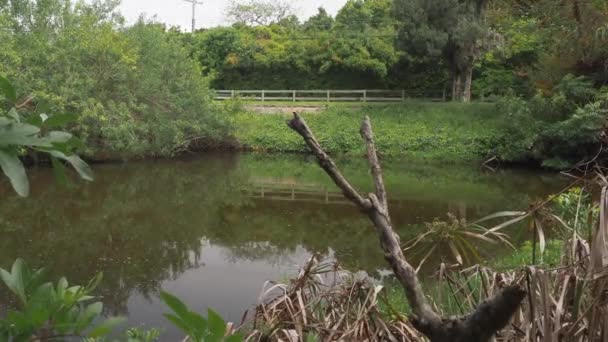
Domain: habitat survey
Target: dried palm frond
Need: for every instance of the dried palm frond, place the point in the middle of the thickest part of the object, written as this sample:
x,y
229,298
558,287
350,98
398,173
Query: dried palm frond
x,y
325,303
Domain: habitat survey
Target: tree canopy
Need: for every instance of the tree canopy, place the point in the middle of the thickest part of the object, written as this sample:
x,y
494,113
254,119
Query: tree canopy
x,y
472,48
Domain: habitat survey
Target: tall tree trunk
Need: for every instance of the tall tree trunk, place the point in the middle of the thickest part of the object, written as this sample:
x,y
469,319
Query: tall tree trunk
x,y
467,77
456,85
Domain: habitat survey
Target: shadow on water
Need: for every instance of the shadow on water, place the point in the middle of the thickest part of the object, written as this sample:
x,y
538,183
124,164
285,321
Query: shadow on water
x,y
214,228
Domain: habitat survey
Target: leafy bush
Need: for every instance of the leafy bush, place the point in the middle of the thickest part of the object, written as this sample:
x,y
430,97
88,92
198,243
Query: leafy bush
x,y
498,80
556,131
136,92
49,311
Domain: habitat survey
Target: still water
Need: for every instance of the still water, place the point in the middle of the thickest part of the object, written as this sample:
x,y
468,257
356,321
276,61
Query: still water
x,y
213,228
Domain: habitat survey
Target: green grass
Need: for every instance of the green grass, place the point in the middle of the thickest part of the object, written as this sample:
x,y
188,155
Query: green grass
x,y
551,257
437,131
394,300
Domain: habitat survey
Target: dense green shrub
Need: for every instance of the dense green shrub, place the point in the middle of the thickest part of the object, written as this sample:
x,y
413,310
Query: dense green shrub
x,y
135,90
556,131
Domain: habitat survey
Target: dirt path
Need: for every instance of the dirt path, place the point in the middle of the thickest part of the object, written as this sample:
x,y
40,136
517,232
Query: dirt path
x,y
284,109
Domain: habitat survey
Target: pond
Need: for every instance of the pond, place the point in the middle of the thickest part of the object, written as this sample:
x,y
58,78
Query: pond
x,y
212,229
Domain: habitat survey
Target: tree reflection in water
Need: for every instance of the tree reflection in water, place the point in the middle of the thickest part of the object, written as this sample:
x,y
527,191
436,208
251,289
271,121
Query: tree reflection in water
x,y
202,224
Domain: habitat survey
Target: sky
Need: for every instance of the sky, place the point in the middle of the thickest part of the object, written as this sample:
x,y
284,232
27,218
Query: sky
x,y
211,13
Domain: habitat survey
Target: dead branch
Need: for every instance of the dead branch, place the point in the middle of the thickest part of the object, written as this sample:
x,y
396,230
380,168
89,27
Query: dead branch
x,y
479,326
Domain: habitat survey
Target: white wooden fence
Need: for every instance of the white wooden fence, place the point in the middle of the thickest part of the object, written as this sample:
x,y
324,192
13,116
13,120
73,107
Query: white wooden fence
x,y
364,95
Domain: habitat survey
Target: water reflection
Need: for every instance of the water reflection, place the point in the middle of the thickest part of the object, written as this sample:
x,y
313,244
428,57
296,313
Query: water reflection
x,y
213,228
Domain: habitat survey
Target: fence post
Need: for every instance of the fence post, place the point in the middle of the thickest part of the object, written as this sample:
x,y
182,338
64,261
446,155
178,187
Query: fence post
x,y
263,95
232,94
328,96
294,96
402,95
364,95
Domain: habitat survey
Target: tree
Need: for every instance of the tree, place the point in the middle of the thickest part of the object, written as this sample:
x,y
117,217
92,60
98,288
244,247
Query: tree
x,y
321,21
136,90
259,12
453,30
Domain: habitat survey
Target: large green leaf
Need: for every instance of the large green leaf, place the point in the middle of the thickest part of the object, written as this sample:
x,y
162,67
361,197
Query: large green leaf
x,y
179,323
8,90
217,325
21,134
14,170
83,169
15,280
14,115
5,121
175,304
91,312
58,137
59,172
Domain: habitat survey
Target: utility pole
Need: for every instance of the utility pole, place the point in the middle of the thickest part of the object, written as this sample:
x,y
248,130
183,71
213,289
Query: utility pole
x,y
194,3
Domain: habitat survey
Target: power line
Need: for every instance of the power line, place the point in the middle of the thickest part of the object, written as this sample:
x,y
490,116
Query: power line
x,y
342,37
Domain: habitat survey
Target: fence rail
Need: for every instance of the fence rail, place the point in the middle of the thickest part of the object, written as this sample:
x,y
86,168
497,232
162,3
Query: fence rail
x,y
335,95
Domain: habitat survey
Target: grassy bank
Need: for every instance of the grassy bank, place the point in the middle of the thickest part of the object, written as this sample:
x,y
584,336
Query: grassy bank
x,y
438,131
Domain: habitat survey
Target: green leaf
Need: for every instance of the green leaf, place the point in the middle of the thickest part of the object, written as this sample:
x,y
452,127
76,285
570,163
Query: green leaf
x,y
179,323
22,134
94,309
83,169
14,170
34,120
59,172
175,304
4,121
238,338
58,137
106,327
14,115
196,322
217,325
8,90
14,280
91,312
94,282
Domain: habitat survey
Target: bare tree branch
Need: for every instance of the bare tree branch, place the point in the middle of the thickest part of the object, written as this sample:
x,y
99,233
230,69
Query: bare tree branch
x,y
298,125
379,215
479,326
259,12
372,156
